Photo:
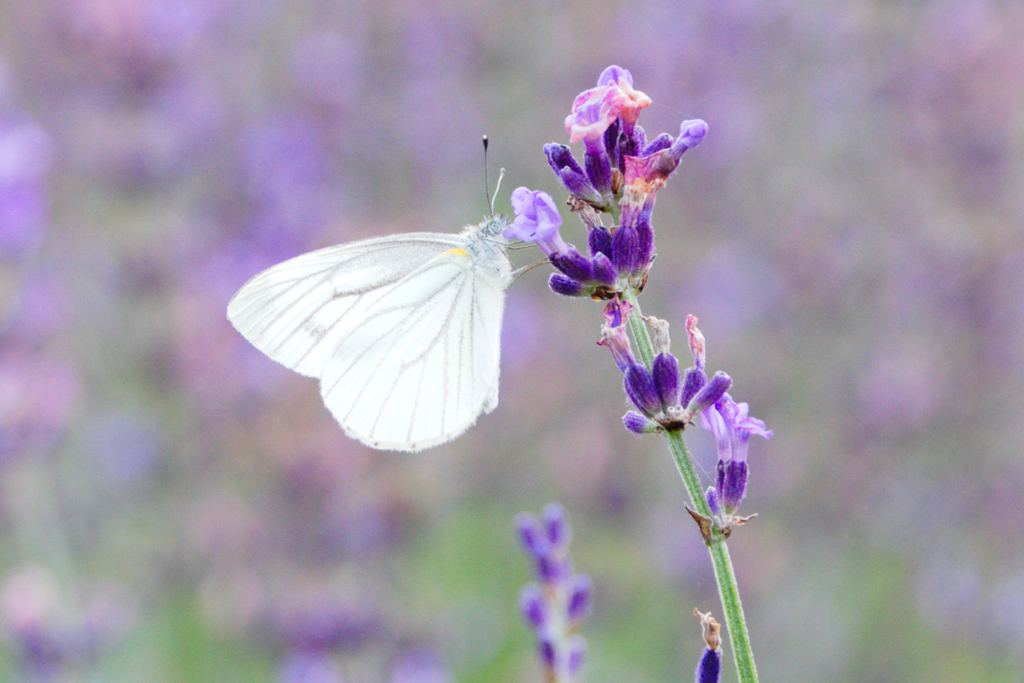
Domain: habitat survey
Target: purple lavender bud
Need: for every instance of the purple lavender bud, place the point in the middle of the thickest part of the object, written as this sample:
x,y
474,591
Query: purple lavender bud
x,y
693,381
548,653
566,286
604,270
639,386
577,652
624,248
561,159
572,175
600,242
711,496
579,598
532,605
574,264
663,141
599,166
710,667
735,484
691,134
552,569
580,186
639,424
556,526
710,393
665,370
532,535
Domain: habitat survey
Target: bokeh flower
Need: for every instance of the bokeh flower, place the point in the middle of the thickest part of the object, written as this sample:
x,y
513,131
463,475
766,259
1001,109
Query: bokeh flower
x,y
556,606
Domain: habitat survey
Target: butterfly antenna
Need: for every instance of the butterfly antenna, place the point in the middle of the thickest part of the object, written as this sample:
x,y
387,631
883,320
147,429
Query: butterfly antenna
x,y
487,186
497,186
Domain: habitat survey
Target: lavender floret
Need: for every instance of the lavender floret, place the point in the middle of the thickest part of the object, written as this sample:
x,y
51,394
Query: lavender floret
x,y
639,385
566,286
604,270
665,370
600,242
640,424
624,249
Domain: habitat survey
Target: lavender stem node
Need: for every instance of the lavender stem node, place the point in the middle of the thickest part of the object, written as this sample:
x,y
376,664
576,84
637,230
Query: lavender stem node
x,y
704,523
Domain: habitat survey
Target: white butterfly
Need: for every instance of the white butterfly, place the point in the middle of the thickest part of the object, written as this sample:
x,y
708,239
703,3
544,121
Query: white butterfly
x,y
404,331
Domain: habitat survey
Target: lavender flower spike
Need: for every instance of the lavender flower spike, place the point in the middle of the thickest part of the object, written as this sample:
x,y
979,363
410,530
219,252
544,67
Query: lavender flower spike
x,y
555,608
537,220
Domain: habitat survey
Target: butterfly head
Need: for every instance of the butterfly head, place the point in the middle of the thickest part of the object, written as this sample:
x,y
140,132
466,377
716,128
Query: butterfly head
x,y
494,225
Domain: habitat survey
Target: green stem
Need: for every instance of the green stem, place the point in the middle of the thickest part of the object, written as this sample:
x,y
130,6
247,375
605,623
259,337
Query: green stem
x,y
725,577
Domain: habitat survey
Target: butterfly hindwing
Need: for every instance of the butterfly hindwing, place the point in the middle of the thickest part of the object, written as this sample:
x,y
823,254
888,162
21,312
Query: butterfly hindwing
x,y
423,361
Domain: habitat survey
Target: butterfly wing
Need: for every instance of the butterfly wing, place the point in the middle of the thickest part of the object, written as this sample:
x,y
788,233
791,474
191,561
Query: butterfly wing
x,y
423,362
294,311
403,331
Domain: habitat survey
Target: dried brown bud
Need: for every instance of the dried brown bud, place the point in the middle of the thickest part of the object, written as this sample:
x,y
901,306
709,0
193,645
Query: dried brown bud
x,y
711,629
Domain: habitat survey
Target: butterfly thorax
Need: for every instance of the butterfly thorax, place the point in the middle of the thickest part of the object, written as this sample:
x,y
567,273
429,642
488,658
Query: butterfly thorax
x,y
487,245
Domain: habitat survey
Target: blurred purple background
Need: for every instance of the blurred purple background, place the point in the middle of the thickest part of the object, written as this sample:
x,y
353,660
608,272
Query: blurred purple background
x,y
176,507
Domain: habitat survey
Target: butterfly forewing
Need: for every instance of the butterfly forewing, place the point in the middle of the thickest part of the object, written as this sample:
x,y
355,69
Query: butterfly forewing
x,y
295,310
403,331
